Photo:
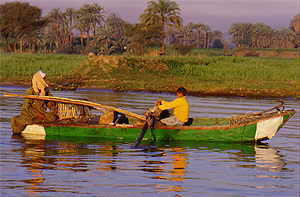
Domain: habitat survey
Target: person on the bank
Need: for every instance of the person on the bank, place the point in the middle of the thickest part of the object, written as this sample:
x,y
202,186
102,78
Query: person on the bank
x,y
33,110
180,108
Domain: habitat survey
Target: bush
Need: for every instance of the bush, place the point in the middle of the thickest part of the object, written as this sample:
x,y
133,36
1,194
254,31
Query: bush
x,y
183,49
218,44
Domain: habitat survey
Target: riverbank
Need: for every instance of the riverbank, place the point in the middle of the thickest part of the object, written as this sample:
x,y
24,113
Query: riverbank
x,y
217,75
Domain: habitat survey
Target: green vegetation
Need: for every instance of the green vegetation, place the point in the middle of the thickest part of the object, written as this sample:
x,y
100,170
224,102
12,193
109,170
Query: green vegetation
x,y
24,28
193,54
217,75
21,67
162,13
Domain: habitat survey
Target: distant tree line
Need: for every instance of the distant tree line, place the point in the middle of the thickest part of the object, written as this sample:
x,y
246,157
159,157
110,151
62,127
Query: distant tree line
x,y
260,35
89,29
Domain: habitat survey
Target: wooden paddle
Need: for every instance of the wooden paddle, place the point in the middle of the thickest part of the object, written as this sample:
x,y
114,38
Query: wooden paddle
x,y
149,123
77,102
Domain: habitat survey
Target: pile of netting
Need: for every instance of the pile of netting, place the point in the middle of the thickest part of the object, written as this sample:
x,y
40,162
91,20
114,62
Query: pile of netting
x,y
251,117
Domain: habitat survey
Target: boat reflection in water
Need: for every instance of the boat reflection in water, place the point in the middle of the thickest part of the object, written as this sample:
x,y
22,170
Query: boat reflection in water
x,y
168,164
268,159
99,159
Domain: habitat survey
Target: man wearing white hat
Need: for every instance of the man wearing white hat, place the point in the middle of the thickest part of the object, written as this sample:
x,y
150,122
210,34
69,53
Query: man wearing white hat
x,y
34,111
39,84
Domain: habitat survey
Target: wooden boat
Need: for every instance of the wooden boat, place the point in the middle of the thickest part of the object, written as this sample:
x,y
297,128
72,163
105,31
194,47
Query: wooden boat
x,y
243,128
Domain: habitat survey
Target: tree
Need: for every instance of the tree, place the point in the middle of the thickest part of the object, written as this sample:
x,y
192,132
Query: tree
x,y
110,38
141,36
261,35
217,44
69,20
202,31
295,23
89,18
162,13
54,31
241,34
58,34
19,21
284,38
217,39
295,27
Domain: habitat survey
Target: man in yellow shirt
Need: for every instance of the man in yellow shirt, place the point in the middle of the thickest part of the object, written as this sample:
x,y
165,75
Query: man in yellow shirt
x,y
180,106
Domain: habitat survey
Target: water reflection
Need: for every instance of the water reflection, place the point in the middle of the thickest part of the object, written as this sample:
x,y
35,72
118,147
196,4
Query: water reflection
x,y
91,167
33,159
269,159
172,168
109,154
169,162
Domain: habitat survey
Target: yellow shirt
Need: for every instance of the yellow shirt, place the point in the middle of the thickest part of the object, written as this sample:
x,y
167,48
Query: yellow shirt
x,y
181,108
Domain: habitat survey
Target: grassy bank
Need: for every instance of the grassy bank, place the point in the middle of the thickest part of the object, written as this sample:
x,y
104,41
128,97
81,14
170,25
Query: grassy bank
x,y
215,75
20,67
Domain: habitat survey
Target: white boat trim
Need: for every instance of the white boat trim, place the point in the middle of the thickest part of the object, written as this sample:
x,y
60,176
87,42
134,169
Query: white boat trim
x,y
34,130
268,128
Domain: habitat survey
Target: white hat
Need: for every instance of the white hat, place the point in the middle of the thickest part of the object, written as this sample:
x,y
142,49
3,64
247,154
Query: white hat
x,y
42,74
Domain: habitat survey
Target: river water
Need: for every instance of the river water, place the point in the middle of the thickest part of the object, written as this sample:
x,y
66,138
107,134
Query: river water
x,y
37,167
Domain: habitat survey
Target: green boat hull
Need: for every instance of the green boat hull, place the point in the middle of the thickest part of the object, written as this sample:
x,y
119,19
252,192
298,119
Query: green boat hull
x,y
245,133
258,130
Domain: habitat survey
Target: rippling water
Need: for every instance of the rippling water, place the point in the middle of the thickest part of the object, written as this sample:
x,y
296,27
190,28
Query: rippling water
x,y
72,167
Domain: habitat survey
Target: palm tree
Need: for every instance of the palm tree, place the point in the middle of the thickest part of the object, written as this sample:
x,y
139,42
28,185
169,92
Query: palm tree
x,y
164,13
295,27
89,18
295,23
54,30
69,20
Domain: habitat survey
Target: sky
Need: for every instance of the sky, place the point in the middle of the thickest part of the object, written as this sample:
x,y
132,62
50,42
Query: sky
x,y
218,14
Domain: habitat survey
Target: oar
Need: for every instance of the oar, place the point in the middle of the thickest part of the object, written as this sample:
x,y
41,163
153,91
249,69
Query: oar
x,y
150,121
142,134
77,102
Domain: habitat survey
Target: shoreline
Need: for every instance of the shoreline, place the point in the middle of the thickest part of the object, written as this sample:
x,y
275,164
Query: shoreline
x,y
202,93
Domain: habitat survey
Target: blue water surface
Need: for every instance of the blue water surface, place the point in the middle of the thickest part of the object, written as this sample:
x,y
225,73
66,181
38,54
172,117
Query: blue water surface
x,y
76,167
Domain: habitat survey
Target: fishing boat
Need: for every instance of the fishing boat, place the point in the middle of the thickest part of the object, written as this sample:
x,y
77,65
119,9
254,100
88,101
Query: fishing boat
x,y
249,127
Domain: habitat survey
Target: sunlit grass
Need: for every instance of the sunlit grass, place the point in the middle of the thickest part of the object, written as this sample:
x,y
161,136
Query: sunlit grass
x,y
213,74
242,68
24,65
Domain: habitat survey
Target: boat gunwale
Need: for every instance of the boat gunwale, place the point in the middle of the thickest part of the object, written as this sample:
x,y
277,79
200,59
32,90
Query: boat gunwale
x,y
213,127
